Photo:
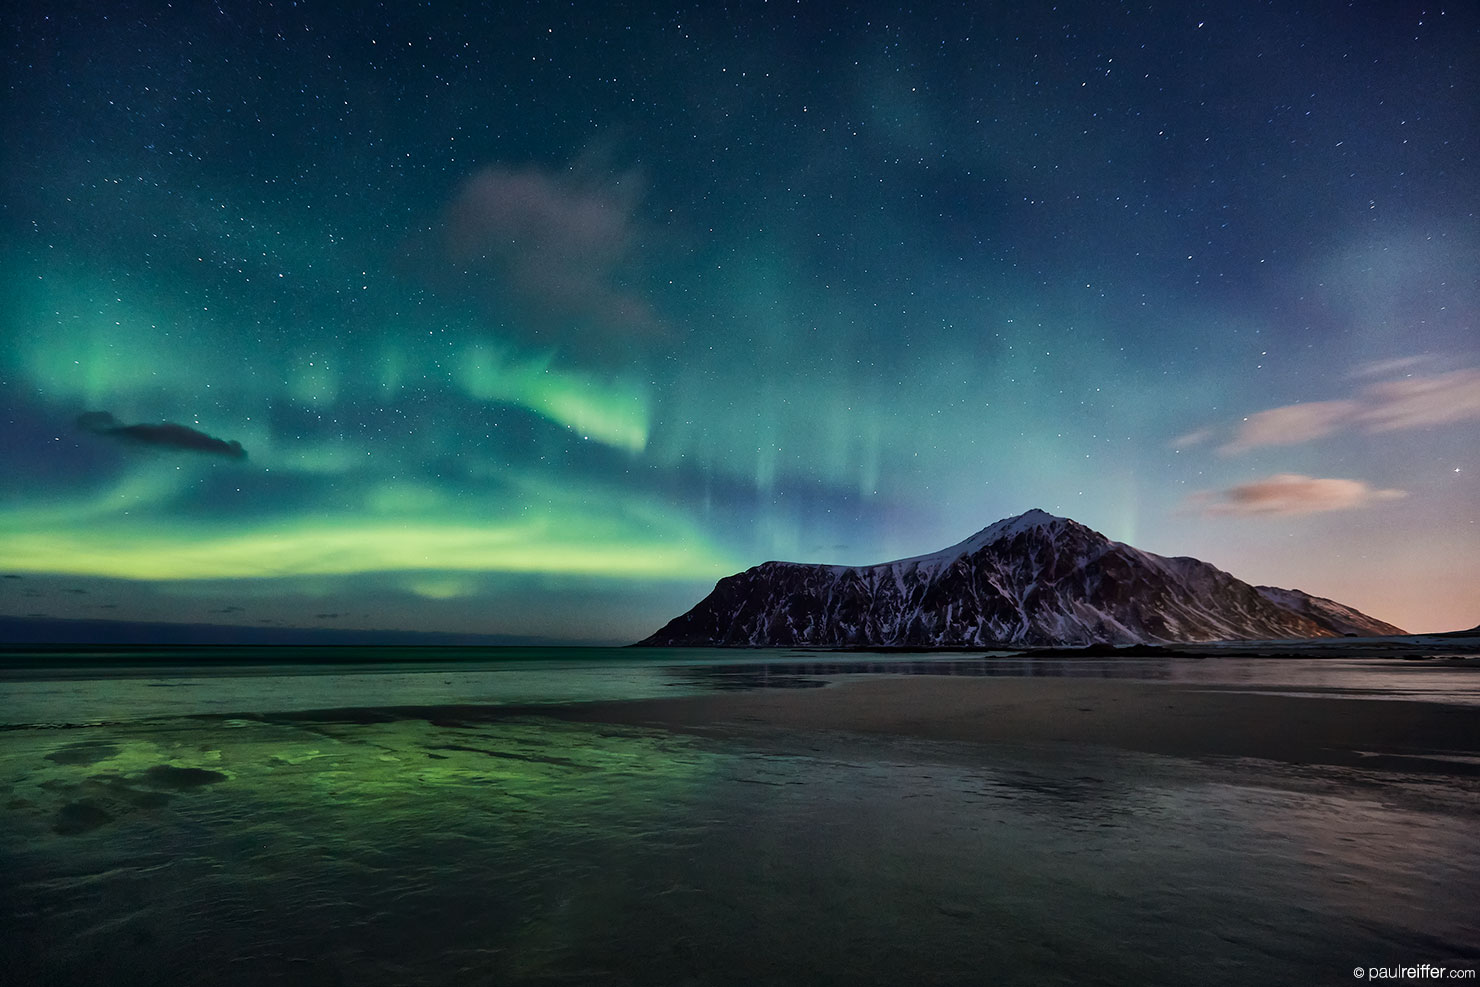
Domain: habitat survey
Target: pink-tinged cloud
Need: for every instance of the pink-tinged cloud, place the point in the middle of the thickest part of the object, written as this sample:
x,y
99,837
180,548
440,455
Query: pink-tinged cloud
x,y
1409,402
1291,425
1290,495
1414,402
559,248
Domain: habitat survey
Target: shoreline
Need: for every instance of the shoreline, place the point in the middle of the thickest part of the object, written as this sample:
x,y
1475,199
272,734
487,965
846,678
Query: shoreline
x,y
1171,719
1298,721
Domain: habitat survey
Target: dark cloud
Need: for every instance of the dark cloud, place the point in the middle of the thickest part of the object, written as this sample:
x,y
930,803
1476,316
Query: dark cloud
x,y
563,247
166,435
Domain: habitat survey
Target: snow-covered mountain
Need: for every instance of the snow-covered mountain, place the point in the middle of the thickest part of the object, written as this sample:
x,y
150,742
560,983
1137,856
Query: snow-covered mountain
x,y
1034,579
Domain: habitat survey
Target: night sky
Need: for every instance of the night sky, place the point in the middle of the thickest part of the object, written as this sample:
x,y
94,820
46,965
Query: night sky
x,y
536,320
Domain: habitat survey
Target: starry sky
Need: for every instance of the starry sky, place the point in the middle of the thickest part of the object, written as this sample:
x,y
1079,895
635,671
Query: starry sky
x,y
535,320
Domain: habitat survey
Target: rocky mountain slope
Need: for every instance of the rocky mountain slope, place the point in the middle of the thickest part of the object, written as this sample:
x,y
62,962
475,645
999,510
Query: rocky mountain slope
x,y
1034,579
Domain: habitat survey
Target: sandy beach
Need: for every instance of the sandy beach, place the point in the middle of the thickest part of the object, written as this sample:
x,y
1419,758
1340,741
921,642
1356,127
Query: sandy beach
x,y
1155,718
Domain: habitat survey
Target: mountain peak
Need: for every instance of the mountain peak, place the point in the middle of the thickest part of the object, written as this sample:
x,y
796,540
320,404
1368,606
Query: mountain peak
x,y
1005,529
1031,579
1026,521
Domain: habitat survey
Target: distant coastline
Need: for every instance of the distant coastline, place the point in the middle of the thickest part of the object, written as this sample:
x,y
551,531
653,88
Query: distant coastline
x,y
30,631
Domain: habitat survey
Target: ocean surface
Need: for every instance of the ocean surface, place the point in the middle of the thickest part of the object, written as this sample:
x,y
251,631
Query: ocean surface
x,y
244,816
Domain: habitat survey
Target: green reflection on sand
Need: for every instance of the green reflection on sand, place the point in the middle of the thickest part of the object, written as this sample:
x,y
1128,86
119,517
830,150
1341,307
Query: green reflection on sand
x,y
462,764
313,833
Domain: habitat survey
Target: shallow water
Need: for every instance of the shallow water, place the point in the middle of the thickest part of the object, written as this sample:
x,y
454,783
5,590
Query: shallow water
x,y
100,687
530,850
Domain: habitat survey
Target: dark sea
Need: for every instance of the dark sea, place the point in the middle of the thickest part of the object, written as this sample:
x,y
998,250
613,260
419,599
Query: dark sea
x,y
241,816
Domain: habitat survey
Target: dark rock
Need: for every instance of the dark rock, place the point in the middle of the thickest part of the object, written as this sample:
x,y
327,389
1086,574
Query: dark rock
x,y
179,779
80,817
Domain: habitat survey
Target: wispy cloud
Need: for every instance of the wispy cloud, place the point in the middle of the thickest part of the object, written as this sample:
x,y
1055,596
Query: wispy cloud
x,y
1384,368
1290,495
1414,402
1194,438
1291,425
1387,406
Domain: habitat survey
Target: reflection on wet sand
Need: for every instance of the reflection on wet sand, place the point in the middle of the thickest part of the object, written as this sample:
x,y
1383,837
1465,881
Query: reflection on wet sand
x,y
813,673
526,850
920,819
1449,680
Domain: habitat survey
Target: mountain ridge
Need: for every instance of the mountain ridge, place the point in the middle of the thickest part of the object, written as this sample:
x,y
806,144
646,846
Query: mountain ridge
x,y
1032,579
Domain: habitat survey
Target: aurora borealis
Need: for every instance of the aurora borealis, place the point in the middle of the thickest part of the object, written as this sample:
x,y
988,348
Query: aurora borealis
x,y
536,320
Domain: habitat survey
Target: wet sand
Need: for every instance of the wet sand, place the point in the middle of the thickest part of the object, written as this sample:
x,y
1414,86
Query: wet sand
x,y
1155,718
745,834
